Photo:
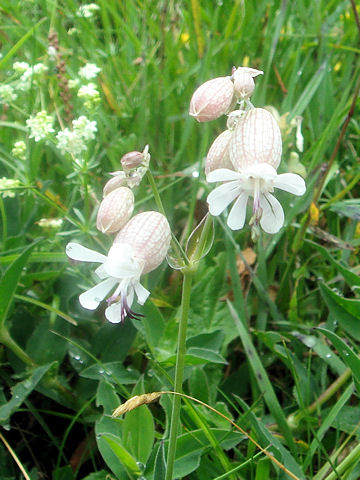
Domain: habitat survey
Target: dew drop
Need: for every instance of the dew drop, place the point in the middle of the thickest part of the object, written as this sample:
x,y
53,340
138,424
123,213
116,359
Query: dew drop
x,y
328,355
101,371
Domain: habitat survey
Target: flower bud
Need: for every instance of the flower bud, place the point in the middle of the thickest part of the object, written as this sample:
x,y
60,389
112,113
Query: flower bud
x,y
118,180
243,81
212,99
256,139
131,160
218,154
149,235
115,210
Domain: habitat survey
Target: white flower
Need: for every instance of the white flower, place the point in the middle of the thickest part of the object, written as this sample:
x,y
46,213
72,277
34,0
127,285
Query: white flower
x,y
20,67
85,128
121,270
257,181
7,94
87,11
88,91
19,150
70,141
89,71
40,125
52,223
6,186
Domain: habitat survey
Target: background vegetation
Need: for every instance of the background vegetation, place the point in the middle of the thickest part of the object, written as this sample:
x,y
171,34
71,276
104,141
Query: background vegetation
x,y
273,336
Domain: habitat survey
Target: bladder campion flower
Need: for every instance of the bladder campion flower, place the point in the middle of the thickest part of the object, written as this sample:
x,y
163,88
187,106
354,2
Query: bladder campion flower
x,y
115,210
138,248
255,153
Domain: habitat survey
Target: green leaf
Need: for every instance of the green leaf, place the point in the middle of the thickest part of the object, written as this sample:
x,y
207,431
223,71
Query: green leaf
x,y
122,454
199,385
197,356
160,463
347,208
349,357
309,91
197,246
114,372
139,433
343,310
9,282
21,390
262,379
351,278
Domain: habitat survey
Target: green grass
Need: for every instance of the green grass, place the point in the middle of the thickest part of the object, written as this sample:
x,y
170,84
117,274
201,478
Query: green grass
x,y
254,349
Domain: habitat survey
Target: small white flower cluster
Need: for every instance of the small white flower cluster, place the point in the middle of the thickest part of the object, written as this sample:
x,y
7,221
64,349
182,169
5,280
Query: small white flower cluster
x,y
87,10
140,245
89,71
32,73
19,150
6,186
90,94
73,141
40,125
7,94
246,155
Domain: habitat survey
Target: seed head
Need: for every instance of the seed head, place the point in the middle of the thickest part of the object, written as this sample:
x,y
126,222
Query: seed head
x,y
115,210
212,99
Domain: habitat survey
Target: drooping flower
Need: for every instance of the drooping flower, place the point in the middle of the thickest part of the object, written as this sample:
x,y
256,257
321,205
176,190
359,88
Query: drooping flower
x,y
257,181
218,155
139,248
255,153
244,84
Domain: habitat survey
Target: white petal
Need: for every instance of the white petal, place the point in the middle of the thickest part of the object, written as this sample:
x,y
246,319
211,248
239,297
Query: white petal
x,y
113,313
290,182
222,175
272,218
91,298
141,293
222,196
101,272
75,251
121,263
237,214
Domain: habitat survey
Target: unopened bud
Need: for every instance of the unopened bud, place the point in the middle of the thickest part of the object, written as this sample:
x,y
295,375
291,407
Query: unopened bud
x,y
212,99
218,155
131,160
243,81
256,139
115,210
118,180
149,235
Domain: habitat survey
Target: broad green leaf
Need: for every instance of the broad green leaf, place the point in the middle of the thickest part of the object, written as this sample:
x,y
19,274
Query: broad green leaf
x,y
53,347
197,356
351,278
127,460
345,311
9,282
102,475
114,372
139,433
21,390
211,341
199,385
349,357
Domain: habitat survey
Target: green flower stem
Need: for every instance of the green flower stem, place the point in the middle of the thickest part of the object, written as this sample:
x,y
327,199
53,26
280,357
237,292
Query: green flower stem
x,y
7,340
179,371
4,222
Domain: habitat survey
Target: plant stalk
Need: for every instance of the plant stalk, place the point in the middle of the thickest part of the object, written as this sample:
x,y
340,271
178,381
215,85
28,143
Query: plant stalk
x,y
179,371
7,340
